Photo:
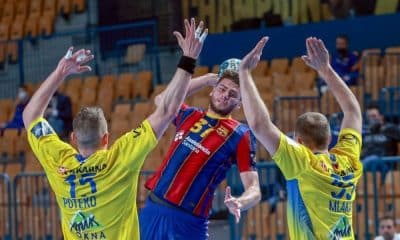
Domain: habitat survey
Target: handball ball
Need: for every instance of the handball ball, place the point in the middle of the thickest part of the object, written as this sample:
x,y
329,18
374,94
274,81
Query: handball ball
x,y
231,64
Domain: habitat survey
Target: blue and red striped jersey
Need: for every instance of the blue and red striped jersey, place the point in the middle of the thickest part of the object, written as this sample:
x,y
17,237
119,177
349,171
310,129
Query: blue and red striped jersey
x,y
203,150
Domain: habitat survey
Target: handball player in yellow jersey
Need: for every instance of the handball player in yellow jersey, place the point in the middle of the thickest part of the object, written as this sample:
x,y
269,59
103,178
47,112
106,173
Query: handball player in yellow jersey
x,y
320,183
94,185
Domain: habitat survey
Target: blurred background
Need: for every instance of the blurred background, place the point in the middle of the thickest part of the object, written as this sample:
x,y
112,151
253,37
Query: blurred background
x,y
136,56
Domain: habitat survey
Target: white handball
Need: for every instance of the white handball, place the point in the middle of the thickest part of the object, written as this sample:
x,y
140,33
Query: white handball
x,y
231,65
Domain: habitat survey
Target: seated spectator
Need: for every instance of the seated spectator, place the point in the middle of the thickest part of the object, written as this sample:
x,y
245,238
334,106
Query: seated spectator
x,y
16,121
59,114
380,140
387,229
345,62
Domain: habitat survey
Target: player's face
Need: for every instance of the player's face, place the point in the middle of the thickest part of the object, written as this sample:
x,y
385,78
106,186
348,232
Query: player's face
x,y
373,115
225,97
387,229
341,43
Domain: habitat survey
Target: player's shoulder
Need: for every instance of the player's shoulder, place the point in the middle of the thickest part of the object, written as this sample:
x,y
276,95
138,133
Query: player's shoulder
x,y
239,128
188,111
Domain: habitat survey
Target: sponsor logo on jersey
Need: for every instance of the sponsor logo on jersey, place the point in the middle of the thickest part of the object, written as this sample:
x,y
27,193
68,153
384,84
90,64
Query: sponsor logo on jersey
x,y
341,229
195,146
179,136
138,131
88,169
84,225
62,170
42,129
222,131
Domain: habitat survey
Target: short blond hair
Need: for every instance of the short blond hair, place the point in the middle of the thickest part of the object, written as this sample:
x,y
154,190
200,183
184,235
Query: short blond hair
x,y
314,129
89,125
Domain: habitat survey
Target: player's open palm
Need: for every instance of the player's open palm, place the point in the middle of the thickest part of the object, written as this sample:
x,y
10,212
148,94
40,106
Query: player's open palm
x,y
250,61
232,204
192,43
317,55
73,63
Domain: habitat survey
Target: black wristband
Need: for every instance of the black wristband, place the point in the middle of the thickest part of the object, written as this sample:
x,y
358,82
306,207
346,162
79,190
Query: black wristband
x,y
187,63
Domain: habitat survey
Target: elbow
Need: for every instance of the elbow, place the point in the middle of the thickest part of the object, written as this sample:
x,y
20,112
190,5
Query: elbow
x,y
157,100
254,123
169,112
258,126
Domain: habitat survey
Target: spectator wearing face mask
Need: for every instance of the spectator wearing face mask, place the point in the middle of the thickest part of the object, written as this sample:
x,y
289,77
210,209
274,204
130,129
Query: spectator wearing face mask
x,y
380,140
59,114
387,229
16,121
345,62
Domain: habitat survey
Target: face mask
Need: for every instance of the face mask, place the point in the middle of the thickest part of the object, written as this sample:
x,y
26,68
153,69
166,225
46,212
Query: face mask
x,y
342,51
22,95
374,125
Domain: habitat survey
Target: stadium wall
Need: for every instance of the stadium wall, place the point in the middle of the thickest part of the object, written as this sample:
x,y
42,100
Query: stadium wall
x,y
288,41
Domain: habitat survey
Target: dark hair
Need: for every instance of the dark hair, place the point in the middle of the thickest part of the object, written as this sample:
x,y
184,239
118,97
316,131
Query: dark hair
x,y
314,129
373,105
388,217
343,36
231,75
23,86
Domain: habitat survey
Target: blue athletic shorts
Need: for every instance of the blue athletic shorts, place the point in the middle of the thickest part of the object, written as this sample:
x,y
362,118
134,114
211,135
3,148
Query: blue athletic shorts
x,y
157,221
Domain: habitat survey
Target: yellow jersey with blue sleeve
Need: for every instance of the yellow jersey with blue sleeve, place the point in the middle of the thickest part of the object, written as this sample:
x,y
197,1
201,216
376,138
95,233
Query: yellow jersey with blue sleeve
x,y
95,194
321,187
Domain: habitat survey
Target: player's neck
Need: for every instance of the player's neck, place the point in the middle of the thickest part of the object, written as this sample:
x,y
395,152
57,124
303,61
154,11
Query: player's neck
x,y
214,114
319,151
87,152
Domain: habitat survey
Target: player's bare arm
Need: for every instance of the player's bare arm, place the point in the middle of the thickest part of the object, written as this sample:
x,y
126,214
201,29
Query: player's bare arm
x,y
175,93
71,63
318,59
250,197
255,110
195,85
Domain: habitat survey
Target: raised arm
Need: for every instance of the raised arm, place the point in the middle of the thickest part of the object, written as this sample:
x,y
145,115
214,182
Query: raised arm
x,y
195,85
175,93
318,59
71,63
255,110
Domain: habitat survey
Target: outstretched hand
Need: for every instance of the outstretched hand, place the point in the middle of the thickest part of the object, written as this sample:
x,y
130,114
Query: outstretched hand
x,y
192,43
250,61
317,55
73,63
233,204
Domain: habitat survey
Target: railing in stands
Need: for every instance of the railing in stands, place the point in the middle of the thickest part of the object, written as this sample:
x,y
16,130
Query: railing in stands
x,y
33,59
379,71
287,109
30,209
389,99
378,194
5,208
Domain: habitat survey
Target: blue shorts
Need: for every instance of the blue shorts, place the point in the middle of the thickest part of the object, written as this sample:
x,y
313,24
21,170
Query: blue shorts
x,y
158,222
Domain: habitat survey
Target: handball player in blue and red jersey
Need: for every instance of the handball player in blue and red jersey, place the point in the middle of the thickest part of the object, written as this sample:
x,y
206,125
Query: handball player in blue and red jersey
x,y
207,143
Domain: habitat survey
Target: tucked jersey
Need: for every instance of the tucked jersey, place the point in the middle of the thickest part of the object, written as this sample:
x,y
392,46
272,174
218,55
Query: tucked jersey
x,y
95,193
203,150
321,187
